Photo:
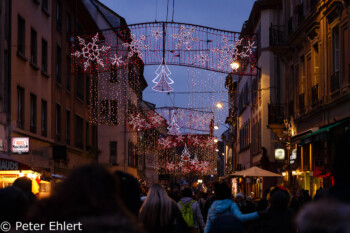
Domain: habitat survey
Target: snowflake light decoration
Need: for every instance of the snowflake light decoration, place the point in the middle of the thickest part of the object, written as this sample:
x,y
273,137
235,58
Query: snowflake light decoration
x,y
117,60
228,52
202,58
90,51
184,38
136,46
249,48
157,34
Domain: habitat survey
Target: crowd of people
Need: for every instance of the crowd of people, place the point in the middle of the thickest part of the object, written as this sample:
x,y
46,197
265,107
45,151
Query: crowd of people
x,y
105,202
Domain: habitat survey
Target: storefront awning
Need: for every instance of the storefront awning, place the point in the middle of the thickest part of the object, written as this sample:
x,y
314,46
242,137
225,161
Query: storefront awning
x,y
8,163
322,132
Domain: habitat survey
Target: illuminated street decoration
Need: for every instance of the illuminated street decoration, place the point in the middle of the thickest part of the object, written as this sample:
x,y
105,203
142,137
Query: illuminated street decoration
x,y
90,51
163,80
136,46
174,128
184,38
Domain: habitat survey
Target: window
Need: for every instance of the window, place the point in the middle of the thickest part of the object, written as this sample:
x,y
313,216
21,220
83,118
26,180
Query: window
x,y
44,55
33,46
43,118
79,85
32,113
114,112
59,14
79,129
58,122
68,25
68,127
94,135
104,111
113,152
45,5
21,34
87,89
20,107
87,138
335,47
68,80
58,64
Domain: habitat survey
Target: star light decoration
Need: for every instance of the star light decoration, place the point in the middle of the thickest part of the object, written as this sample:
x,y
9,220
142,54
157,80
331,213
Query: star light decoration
x,y
136,46
157,34
90,51
202,58
117,60
184,38
231,52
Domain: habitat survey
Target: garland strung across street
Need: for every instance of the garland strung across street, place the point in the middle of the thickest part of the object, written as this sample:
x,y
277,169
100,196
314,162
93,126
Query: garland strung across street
x,y
159,42
112,60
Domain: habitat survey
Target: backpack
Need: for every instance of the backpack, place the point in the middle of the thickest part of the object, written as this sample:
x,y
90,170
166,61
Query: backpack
x,y
187,213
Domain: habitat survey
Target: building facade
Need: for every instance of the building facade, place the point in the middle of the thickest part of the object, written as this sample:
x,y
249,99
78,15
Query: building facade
x,y
314,38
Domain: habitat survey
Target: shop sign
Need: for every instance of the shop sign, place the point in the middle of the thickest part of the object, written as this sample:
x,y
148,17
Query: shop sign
x,y
20,145
8,165
293,156
279,154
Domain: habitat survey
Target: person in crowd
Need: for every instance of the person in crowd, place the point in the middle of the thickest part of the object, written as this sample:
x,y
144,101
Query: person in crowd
x,y
190,211
297,200
249,206
160,214
130,191
324,216
13,205
209,202
279,218
263,203
175,192
240,200
224,205
202,200
320,194
25,184
227,224
90,195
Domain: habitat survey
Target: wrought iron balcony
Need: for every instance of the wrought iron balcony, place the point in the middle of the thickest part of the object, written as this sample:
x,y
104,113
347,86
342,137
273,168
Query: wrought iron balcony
x,y
302,102
335,84
276,35
276,114
314,94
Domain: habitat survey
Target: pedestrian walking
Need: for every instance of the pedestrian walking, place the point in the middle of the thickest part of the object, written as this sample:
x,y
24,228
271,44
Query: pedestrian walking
x,y
224,205
160,214
191,212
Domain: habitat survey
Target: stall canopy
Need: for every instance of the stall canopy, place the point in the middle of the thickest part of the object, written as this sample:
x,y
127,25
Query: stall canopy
x,y
255,171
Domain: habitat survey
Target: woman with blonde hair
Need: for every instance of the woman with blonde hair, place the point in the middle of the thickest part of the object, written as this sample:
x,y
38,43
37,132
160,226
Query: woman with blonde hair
x,y
161,214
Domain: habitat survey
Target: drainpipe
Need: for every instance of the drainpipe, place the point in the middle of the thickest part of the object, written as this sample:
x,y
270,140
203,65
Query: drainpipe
x,y
8,78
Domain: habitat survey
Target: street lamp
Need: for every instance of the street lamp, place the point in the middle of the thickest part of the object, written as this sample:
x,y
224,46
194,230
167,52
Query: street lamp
x,y
234,65
216,127
219,105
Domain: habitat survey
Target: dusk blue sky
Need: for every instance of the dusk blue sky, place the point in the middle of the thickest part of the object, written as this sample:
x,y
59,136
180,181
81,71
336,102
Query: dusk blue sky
x,y
221,14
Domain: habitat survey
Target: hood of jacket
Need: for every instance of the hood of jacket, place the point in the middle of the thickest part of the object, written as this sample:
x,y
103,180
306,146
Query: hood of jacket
x,y
186,200
221,206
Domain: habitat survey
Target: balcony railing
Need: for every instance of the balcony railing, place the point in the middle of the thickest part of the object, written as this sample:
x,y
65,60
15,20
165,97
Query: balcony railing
x,y
302,102
335,84
314,94
276,35
276,114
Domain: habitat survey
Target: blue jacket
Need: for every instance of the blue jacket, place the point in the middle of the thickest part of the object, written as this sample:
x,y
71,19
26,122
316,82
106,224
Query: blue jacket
x,y
226,207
